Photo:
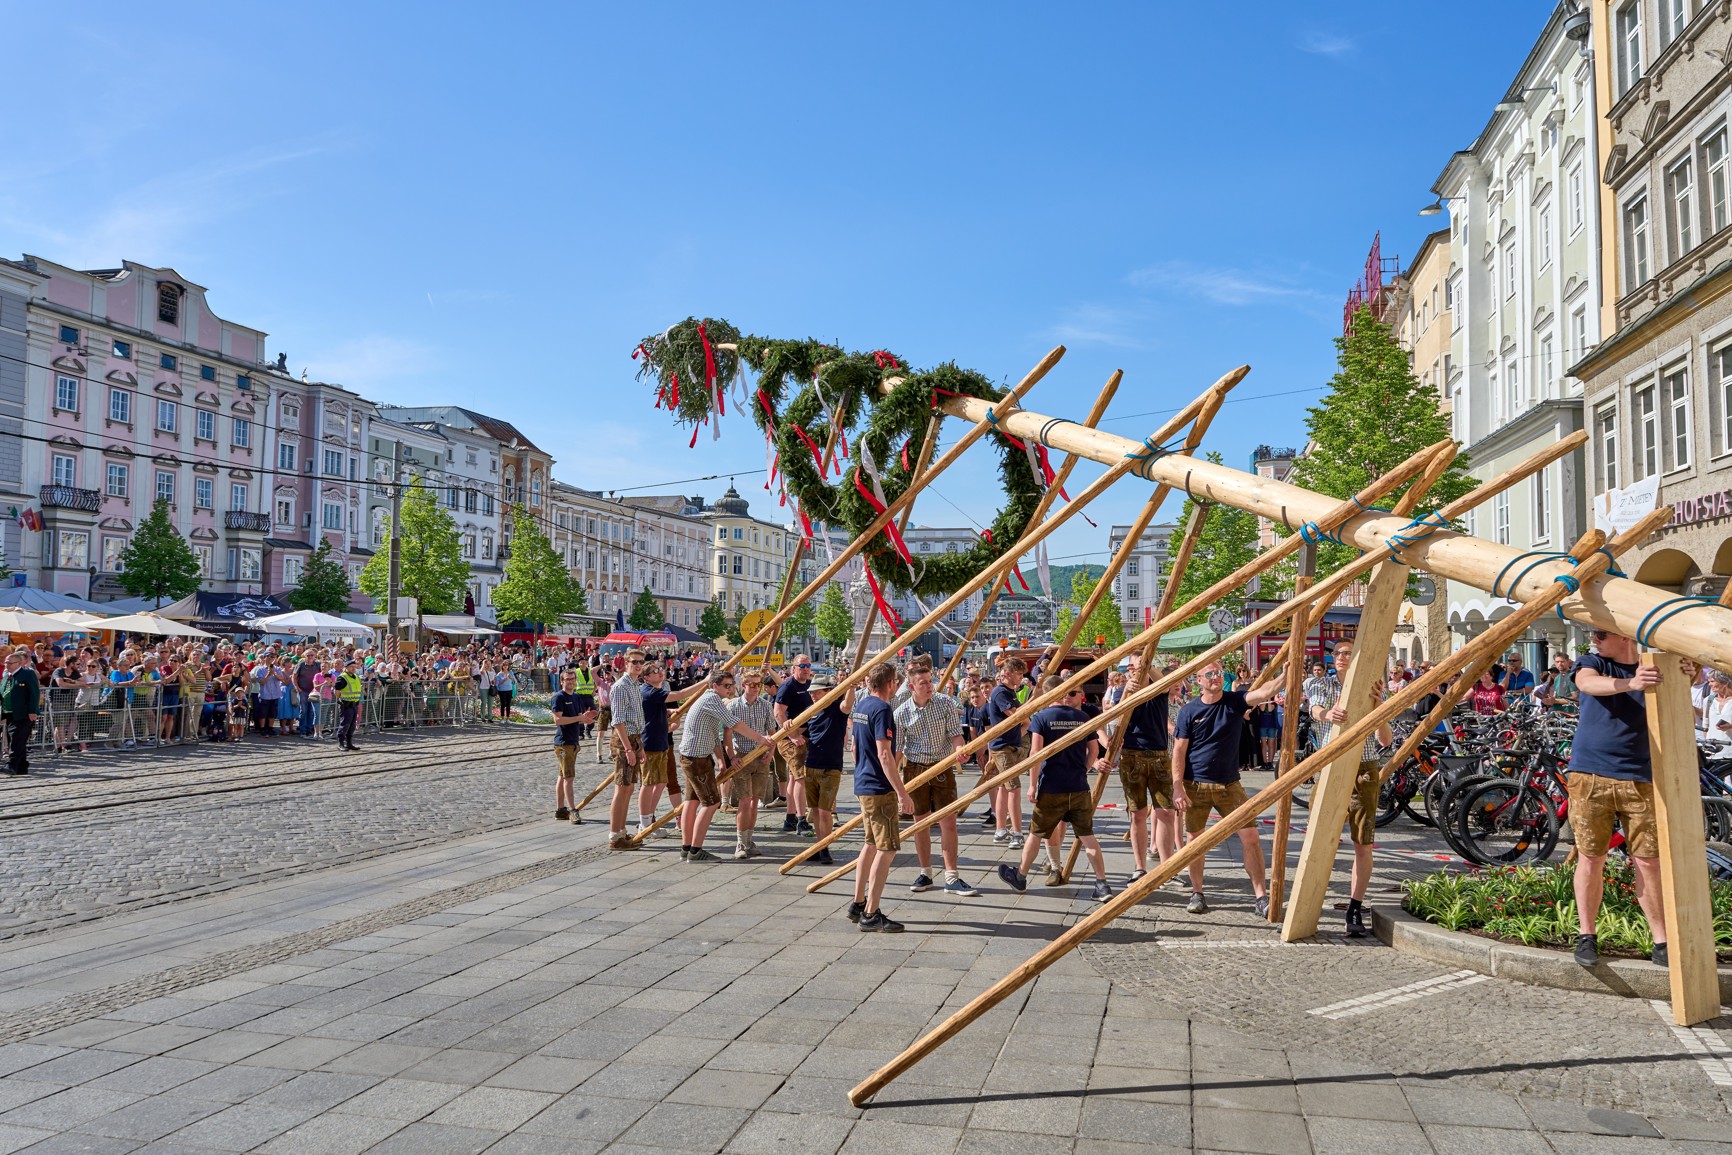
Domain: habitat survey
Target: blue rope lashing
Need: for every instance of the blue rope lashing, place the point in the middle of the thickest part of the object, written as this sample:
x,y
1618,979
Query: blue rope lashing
x,y
1612,570
1313,534
1543,556
1148,455
1570,583
1418,529
992,416
1653,619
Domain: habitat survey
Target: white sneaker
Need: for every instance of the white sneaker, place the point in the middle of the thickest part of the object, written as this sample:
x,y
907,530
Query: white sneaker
x,y
741,853
128,744
1001,836
666,831
1015,842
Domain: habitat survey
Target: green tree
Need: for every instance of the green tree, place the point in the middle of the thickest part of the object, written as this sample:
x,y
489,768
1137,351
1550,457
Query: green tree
x,y
432,569
802,621
713,622
324,586
736,635
158,563
1228,540
1375,416
645,613
1107,621
835,625
537,587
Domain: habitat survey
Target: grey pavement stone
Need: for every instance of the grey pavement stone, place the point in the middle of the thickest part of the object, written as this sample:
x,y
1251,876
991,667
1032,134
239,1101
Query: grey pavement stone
x,y
241,1127
1550,1115
17,1092
1355,1101
433,1139
459,1066
152,1118
545,1073
1334,1136
381,1059
651,1081
78,1143
772,1133
300,1054
1707,1129
76,1067
682,1125
526,1144
154,1075
1055,1115
723,1088
317,1090
492,1108
234,1084
1262,1132
15,1057
768,1058
227,1046
155,1040
404,1099
18,1138
333,1135
587,1118
1460,1106
1448,1139
880,1137
65,1110
805,1095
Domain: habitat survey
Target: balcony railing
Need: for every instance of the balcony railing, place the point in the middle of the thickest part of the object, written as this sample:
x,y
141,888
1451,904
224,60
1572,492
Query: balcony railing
x,y
236,519
70,497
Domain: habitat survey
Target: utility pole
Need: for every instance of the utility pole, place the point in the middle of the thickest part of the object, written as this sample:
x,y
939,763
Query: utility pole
x,y
396,572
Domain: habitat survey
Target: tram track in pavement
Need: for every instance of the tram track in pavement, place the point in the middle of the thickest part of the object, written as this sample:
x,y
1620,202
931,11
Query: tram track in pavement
x,y
272,775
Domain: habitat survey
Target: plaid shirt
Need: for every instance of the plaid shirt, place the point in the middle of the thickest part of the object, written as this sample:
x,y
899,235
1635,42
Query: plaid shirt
x,y
924,733
1326,694
626,701
704,723
759,715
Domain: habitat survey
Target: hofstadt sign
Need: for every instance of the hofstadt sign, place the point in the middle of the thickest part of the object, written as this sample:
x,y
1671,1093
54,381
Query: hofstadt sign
x,y
1707,507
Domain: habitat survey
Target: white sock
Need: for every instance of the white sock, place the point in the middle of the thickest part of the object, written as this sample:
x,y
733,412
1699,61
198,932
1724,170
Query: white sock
x,y
646,819
952,876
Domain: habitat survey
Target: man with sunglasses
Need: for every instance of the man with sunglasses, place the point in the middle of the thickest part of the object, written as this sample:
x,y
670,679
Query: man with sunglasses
x,y
706,724
793,698
1206,739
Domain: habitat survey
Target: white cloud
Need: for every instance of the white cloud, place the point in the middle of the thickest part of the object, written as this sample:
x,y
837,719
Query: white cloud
x,y
1326,44
1103,325
1222,286
365,363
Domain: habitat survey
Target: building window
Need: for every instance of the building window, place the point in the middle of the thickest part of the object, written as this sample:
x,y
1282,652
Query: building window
x,y
721,562
167,416
1131,567
1680,211
1513,389
1676,389
203,553
1627,45
123,350
470,502
487,503
1607,419
68,335
292,571
333,463
243,431
1577,195
243,382
1720,398
1548,368
165,486
1545,237
250,565
1646,459
118,481
168,302
1579,333
120,406
207,372
65,469
1509,269
739,533
285,511
204,426
66,394
286,451
1500,525
1134,595
72,549
169,361
469,545
1636,244
535,493
1674,14
451,499
238,497
331,515
112,548
1542,484
201,492
1714,172
740,565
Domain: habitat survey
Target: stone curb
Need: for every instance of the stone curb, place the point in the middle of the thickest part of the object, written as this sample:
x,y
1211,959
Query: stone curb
x,y
1630,978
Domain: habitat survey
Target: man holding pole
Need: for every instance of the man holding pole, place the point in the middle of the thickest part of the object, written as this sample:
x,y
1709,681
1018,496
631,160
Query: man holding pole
x,y
1062,795
1611,779
1327,708
929,730
657,769
793,699
625,700
705,726
878,786
1146,774
1008,749
1206,773
826,738
756,780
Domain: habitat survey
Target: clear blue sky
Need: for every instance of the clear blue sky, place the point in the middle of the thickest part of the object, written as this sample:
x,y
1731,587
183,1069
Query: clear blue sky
x,y
490,205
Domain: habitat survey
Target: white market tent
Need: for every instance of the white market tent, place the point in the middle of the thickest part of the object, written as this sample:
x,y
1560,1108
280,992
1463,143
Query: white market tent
x,y
311,622
152,624
25,622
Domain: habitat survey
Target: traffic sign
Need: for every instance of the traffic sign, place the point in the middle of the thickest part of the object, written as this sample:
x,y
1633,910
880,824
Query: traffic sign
x,y
755,621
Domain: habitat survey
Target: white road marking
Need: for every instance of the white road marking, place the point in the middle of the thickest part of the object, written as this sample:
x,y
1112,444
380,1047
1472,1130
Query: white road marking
x,y
1712,1053
1223,944
1378,1000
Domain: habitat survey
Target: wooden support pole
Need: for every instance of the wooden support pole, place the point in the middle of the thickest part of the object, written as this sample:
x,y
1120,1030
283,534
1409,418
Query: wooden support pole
x,y
1678,814
605,783
920,464
1610,603
1298,631
1136,892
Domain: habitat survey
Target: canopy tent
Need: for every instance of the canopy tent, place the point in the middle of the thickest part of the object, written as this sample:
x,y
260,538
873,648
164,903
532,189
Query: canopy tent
x,y
77,618
39,601
153,624
311,622
1199,637
25,622
686,637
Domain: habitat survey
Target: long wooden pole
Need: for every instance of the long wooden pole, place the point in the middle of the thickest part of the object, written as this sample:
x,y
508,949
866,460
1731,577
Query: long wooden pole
x,y
1609,603
1298,633
1376,489
926,446
1323,594
1197,847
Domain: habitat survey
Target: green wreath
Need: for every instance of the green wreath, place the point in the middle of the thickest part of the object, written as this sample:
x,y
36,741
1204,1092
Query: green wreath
x,y
830,379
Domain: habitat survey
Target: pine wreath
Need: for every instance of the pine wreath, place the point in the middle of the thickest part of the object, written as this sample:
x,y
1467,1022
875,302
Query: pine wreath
x,y
692,377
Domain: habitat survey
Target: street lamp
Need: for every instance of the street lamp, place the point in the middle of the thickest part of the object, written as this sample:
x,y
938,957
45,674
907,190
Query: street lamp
x,y
1516,102
1436,206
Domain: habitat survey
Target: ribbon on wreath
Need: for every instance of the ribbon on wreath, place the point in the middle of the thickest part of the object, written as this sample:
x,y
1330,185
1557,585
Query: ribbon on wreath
x,y
875,498
884,608
817,454
885,359
1014,568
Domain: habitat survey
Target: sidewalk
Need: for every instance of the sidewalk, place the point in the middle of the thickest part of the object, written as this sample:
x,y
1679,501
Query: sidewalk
x,y
524,991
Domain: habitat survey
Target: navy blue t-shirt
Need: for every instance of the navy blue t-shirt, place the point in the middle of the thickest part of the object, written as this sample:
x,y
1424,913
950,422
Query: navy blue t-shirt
x,y
1000,706
826,738
655,719
1214,731
797,698
570,705
872,721
1066,772
1611,732
1147,729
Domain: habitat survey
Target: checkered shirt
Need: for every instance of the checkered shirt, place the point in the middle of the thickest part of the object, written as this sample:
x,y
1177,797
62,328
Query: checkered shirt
x,y
924,733
626,702
759,715
1326,694
703,725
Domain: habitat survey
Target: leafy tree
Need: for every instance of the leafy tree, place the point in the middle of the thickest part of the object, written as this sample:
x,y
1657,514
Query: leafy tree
x,y
537,586
1228,540
834,623
158,563
802,621
736,635
324,586
1107,620
645,613
1375,416
713,622
432,569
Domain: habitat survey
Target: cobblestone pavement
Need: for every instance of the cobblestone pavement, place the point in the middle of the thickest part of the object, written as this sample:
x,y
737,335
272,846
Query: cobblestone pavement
x,y
186,829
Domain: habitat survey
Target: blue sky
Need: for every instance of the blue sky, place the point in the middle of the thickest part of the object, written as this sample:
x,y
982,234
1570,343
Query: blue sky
x,y
491,205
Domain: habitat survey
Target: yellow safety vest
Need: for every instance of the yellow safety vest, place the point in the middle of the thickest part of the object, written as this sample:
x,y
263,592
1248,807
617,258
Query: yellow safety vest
x,y
585,684
348,688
